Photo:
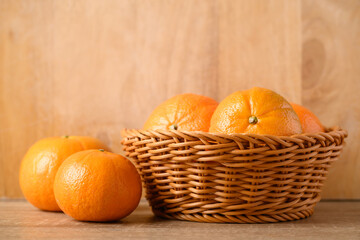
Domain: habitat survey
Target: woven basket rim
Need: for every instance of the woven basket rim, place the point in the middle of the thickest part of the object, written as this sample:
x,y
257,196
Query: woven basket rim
x,y
330,133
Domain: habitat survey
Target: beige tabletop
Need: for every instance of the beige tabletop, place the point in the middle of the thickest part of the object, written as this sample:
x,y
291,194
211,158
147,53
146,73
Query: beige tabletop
x,y
331,220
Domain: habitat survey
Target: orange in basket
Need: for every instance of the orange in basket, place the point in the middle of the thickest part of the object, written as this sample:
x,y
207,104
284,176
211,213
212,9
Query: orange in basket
x,y
189,111
309,122
257,110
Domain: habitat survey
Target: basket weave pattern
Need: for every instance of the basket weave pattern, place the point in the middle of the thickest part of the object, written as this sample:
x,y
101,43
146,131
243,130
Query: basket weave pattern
x,y
242,178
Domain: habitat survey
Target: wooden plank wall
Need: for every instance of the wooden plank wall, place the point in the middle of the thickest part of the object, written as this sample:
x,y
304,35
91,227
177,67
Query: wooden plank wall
x,y
95,67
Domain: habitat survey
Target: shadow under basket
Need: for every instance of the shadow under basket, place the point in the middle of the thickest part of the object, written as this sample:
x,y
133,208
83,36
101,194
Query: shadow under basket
x,y
238,178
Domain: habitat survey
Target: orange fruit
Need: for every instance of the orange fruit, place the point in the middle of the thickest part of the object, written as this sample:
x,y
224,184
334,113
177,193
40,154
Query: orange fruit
x,y
95,185
41,162
188,111
257,110
309,122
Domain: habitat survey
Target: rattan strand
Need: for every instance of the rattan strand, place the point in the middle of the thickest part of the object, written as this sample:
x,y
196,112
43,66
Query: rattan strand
x,y
239,178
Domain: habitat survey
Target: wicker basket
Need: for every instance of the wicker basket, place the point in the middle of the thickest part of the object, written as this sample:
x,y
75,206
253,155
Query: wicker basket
x,y
239,178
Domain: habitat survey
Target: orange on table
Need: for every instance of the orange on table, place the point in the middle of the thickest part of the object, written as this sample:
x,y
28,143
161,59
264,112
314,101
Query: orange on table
x,y
41,162
257,110
188,111
309,122
96,185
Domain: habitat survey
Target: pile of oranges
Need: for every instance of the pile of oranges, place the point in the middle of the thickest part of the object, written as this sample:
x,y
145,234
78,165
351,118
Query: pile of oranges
x,y
83,178
257,110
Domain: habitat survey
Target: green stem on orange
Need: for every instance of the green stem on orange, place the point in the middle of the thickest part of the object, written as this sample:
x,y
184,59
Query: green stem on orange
x,y
101,150
174,127
253,120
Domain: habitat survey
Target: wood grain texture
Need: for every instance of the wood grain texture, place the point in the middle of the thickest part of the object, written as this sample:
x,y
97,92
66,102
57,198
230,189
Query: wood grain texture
x,y
176,52
331,82
260,45
331,220
95,67
26,79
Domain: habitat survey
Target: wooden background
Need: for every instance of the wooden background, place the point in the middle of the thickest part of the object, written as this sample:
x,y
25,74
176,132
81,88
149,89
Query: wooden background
x,y
95,67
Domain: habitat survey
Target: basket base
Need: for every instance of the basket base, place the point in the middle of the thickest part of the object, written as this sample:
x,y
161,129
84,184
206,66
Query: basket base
x,y
219,218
